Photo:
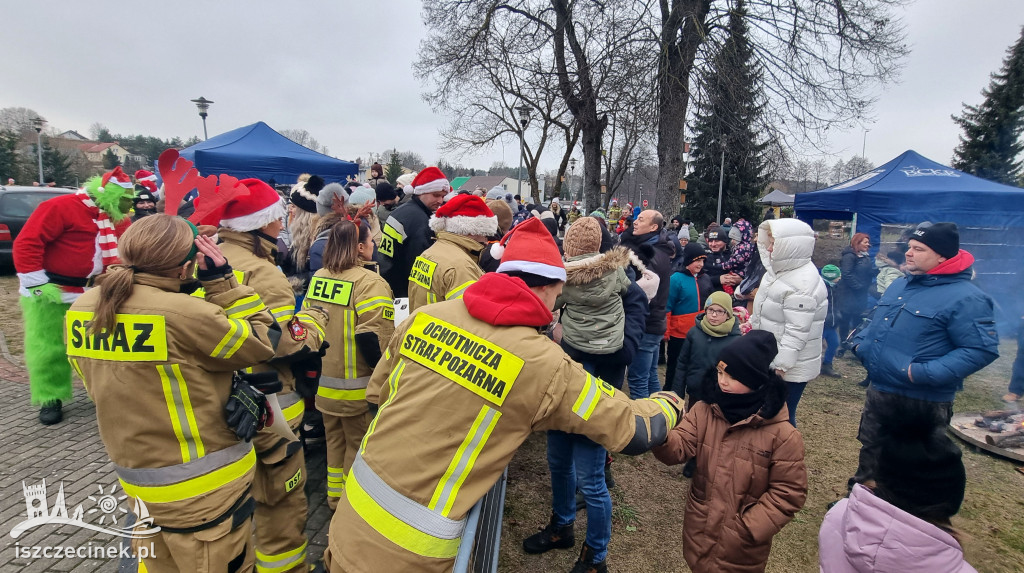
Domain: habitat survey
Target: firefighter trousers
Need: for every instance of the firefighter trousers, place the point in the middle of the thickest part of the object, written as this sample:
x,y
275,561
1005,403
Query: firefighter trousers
x,y
344,434
279,490
224,547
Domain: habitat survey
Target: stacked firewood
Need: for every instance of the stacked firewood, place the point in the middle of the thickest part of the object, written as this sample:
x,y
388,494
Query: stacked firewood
x,y
1008,423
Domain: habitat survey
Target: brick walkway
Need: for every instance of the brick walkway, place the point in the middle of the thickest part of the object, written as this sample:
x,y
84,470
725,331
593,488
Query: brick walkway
x,y
71,453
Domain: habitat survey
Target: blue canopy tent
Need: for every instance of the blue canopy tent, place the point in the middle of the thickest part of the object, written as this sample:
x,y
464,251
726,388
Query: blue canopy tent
x,y
911,189
260,152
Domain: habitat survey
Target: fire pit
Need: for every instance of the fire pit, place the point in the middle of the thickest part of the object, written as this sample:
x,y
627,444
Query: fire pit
x,y
999,432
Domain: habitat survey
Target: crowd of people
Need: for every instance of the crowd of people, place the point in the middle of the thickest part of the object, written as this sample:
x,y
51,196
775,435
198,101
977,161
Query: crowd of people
x,y
215,346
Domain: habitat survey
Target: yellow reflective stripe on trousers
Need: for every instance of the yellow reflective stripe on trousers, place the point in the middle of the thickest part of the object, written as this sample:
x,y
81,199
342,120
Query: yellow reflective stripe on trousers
x,y
335,481
448,488
458,291
372,303
179,407
588,398
394,529
232,341
245,307
279,562
350,344
78,370
392,392
193,487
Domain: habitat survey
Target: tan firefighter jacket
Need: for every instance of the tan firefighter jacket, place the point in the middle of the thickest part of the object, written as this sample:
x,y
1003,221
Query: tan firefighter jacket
x,y
357,300
304,330
160,382
444,270
457,397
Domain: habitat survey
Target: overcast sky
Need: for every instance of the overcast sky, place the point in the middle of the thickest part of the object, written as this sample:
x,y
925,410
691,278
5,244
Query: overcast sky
x,y
343,71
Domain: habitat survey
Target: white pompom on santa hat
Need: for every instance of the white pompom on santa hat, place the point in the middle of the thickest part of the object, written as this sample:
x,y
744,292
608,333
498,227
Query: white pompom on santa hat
x,y
465,215
529,248
253,211
430,180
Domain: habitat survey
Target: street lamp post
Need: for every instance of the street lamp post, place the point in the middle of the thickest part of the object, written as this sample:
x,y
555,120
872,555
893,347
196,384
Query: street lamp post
x,y
38,124
524,118
203,104
721,182
864,145
572,173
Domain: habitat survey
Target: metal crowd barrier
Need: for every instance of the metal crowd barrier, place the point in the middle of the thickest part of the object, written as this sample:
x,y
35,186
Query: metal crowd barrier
x,y
478,551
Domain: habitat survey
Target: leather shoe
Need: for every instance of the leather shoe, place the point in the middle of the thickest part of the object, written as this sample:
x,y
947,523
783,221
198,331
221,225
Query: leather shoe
x,y
51,413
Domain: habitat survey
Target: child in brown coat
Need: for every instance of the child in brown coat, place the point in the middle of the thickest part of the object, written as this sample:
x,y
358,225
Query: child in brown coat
x,y
750,479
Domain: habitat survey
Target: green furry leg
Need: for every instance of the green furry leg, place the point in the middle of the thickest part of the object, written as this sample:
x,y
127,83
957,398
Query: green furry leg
x,y
46,359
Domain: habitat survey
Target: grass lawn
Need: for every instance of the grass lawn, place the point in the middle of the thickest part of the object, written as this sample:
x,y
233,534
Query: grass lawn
x,y
649,501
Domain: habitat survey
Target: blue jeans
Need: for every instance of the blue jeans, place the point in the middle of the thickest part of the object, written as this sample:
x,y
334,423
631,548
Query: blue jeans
x,y
796,389
643,372
831,337
577,462
1017,378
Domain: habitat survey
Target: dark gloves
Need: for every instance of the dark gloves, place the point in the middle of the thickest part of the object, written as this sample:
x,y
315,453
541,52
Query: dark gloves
x,y
247,410
307,369
211,272
369,346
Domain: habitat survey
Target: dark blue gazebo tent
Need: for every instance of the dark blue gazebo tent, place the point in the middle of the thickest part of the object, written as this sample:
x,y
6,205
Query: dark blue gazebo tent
x,y
912,188
260,152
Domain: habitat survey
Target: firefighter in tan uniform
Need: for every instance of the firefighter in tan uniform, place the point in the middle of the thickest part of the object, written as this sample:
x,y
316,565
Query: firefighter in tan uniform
x,y
462,384
248,232
160,375
362,312
451,264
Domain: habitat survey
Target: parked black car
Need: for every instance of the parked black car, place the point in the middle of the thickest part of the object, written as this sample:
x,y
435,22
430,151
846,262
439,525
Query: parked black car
x,y
16,204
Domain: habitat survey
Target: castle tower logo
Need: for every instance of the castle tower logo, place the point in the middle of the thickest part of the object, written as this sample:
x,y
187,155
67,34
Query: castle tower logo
x,y
107,509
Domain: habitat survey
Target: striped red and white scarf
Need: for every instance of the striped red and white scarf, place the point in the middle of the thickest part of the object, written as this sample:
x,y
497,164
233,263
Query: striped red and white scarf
x,y
106,240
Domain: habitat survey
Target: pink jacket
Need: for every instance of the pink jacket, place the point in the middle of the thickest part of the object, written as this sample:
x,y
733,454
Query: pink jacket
x,y
864,533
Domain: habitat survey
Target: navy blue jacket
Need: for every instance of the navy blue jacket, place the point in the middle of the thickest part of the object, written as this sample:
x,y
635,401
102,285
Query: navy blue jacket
x,y
940,327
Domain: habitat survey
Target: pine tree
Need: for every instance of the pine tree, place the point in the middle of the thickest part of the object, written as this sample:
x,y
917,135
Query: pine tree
x,y
57,166
394,169
727,118
990,145
110,160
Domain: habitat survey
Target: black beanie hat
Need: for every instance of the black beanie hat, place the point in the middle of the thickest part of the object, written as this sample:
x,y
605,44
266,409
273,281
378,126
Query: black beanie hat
x,y
304,197
717,235
943,238
920,469
749,358
692,252
385,192
144,195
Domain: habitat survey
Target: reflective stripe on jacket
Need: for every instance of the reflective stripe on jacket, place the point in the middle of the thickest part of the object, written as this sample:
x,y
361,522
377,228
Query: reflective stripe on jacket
x,y
444,270
160,382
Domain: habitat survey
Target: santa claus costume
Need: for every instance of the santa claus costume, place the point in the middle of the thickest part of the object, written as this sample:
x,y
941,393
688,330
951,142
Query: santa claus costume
x,y
65,242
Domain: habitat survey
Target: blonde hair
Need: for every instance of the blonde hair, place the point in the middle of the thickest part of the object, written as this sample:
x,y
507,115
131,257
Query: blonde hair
x,y
342,250
157,244
303,228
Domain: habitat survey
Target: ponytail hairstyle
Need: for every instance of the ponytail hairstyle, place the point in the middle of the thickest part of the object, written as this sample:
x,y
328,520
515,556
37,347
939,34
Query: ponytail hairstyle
x,y
158,244
342,250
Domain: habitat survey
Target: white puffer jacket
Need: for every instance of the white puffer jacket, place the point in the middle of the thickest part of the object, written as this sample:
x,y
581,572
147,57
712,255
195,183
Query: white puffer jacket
x,y
792,301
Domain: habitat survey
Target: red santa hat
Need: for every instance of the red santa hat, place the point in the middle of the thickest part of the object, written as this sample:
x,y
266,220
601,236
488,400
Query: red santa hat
x,y
147,179
465,215
430,180
529,248
249,212
118,177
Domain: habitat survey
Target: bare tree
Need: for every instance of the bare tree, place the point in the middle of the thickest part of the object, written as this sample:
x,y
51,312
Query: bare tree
x,y
303,137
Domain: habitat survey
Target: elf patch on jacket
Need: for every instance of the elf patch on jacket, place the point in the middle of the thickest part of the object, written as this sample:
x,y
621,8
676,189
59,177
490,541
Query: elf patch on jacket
x,y
357,301
750,482
406,234
864,534
791,302
444,270
462,384
593,317
160,394
939,326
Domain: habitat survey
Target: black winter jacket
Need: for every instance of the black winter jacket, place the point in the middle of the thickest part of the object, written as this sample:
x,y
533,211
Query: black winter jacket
x,y
655,251
406,234
858,274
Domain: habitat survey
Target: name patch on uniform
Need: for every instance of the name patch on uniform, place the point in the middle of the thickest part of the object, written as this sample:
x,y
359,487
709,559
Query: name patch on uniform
x,y
422,272
135,338
388,313
388,238
478,365
334,291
